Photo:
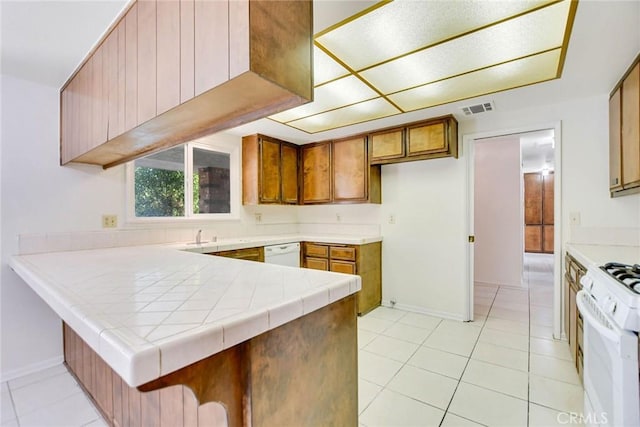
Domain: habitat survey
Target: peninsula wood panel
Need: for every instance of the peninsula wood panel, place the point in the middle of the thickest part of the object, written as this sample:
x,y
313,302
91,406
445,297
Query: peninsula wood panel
x,y
168,55
211,28
316,173
631,129
131,68
147,60
350,169
615,140
187,50
320,346
111,69
119,127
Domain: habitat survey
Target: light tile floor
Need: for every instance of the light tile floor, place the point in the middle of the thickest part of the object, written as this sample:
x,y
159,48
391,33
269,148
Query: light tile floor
x,y
504,368
415,370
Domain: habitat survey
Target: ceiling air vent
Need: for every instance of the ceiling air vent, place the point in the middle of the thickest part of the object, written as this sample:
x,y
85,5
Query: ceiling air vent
x,y
478,108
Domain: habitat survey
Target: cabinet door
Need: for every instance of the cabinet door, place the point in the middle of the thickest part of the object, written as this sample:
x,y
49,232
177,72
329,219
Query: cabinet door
x,y
289,174
316,173
316,263
343,267
315,250
429,139
532,198
547,199
350,168
532,238
269,171
386,145
547,238
631,129
615,154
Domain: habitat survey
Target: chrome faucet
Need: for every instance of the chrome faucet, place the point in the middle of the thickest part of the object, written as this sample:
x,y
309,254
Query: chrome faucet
x,y
199,237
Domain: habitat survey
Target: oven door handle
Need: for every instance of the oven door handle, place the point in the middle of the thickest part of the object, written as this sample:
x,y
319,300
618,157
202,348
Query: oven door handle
x,y
589,314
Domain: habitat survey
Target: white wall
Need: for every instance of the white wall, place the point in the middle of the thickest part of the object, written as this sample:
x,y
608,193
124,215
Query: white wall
x,y
498,212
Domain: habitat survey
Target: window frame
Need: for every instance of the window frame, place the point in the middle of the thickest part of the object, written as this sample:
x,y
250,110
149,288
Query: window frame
x,y
208,143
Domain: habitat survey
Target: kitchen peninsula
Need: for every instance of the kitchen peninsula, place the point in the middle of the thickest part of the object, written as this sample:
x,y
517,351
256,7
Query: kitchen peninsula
x,y
265,341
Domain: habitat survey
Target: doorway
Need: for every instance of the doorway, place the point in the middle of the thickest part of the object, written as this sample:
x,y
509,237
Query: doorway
x,y
496,218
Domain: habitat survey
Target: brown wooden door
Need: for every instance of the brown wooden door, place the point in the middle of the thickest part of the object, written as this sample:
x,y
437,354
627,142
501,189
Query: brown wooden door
x,y
289,175
269,171
316,173
533,238
547,238
350,166
532,198
631,129
547,199
615,153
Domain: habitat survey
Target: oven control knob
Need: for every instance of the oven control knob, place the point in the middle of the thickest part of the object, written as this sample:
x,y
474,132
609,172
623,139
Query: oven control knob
x,y
586,282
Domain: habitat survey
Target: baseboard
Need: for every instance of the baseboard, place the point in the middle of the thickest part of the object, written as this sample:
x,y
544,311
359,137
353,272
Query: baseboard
x,y
506,285
30,369
422,310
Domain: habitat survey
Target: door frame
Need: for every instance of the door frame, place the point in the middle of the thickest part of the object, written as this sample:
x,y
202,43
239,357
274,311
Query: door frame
x,y
468,147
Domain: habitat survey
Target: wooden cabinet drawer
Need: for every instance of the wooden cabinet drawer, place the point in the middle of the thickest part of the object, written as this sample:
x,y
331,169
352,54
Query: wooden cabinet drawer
x,y
317,263
343,252
343,267
312,249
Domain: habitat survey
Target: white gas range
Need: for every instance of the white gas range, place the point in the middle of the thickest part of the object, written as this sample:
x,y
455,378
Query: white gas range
x,y
609,303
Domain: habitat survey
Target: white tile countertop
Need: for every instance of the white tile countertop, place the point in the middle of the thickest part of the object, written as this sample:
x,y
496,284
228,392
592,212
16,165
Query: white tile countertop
x,y
248,242
597,255
151,310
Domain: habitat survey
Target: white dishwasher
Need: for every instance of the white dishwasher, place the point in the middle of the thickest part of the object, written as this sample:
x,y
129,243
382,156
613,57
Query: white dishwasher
x,y
285,254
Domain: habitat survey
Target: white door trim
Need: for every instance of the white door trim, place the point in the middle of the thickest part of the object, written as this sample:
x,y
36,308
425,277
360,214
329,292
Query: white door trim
x,y
468,145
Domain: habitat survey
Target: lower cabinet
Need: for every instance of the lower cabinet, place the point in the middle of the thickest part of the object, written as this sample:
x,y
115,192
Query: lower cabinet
x,y
573,320
363,260
248,254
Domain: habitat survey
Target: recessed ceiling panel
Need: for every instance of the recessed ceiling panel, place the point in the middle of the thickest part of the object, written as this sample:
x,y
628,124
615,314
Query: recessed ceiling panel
x,y
403,26
362,112
325,68
514,74
338,93
515,38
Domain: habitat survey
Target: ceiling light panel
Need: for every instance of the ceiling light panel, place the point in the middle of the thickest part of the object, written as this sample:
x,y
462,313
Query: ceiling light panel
x,y
516,38
338,93
358,113
403,26
325,68
514,74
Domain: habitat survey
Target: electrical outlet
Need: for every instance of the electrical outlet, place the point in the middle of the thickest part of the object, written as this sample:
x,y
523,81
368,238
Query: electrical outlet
x,y
258,217
109,221
392,219
574,218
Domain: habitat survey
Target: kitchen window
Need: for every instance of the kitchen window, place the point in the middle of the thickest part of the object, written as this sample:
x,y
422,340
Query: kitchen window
x,y
193,180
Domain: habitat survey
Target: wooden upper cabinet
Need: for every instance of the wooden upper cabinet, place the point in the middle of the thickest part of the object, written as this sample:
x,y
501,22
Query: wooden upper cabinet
x,y
170,71
350,170
387,144
289,173
624,133
631,129
426,139
416,141
269,171
316,173
615,152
